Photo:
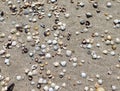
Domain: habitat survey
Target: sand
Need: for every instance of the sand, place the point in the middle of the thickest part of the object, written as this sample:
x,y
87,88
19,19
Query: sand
x,y
92,67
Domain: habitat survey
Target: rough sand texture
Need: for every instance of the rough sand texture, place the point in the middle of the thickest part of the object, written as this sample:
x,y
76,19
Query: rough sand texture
x,y
92,67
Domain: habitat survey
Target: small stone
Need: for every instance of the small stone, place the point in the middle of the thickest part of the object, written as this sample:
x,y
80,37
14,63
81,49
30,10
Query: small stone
x,y
56,88
18,78
113,88
43,46
83,75
2,35
32,83
30,73
109,4
49,42
2,52
68,53
7,61
61,75
34,72
94,56
74,64
2,19
63,84
34,20
48,55
117,41
86,88
40,80
89,46
51,89
56,64
98,45
105,52
112,53
67,15
29,38
63,63
81,4
95,4
79,82
46,88
7,79
116,21
1,77
100,81
54,42
97,76
31,54
55,48
109,37
88,15
82,22
38,85
14,43
49,15
26,12
48,72
114,47
107,42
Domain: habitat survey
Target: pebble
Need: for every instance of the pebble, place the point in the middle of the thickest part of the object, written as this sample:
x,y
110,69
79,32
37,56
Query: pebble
x,y
112,53
113,88
83,75
82,4
89,46
32,83
100,81
56,88
79,82
54,42
43,46
88,15
55,48
56,64
49,15
46,88
18,78
7,61
68,53
63,84
49,42
63,63
105,52
48,55
74,64
109,4
29,38
51,89
117,40
34,20
2,52
95,4
98,45
86,88
14,43
67,15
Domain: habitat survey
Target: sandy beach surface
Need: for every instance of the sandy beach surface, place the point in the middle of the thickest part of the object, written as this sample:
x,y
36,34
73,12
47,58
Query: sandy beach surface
x,y
79,73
